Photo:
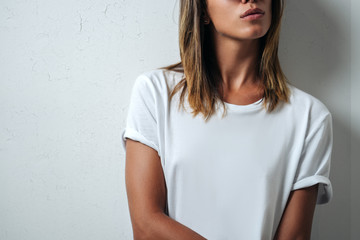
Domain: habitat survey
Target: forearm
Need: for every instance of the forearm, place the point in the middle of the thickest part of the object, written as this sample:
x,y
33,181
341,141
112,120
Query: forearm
x,y
161,226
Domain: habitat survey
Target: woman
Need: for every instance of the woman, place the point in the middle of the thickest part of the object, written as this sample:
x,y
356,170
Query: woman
x,y
257,170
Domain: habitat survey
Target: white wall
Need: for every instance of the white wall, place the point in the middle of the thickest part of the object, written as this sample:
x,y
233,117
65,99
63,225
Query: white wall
x,y
355,120
66,70
315,54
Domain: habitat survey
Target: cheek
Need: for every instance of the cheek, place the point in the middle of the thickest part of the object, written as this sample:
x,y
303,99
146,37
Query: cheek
x,y
220,14
223,12
266,24
267,6
268,21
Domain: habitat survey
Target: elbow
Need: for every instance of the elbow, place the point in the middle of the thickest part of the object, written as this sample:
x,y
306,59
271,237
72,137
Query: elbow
x,y
140,230
299,236
143,227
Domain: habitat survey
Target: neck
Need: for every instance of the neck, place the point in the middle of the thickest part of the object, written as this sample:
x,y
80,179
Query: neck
x,y
237,61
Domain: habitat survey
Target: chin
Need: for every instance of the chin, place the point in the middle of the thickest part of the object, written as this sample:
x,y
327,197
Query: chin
x,y
253,33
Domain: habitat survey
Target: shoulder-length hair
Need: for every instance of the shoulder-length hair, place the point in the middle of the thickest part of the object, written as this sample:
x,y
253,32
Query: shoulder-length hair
x,y
202,79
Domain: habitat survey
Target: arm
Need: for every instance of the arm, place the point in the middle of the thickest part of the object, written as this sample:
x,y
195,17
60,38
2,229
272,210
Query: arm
x,y
146,192
296,221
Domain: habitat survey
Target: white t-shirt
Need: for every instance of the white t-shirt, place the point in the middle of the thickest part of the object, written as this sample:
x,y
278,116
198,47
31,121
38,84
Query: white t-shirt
x,y
230,178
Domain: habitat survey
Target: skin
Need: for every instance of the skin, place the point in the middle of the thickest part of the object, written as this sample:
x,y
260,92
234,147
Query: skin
x,y
297,218
236,45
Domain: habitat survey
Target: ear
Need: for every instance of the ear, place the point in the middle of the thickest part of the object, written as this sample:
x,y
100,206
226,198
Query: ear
x,y
205,17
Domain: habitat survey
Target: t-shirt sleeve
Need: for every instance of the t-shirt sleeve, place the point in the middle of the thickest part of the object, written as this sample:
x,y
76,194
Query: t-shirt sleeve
x,y
314,165
141,122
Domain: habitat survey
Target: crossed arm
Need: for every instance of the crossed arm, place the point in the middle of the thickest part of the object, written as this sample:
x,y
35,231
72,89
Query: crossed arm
x,y
146,191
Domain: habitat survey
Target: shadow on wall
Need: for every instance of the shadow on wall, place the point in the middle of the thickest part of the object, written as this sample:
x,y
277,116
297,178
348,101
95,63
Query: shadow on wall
x,y
314,53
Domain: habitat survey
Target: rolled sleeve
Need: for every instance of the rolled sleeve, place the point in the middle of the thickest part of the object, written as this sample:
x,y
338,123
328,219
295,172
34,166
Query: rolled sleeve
x,y
314,165
141,122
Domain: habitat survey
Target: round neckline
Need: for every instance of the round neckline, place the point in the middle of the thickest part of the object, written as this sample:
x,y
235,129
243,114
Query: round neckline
x,y
251,106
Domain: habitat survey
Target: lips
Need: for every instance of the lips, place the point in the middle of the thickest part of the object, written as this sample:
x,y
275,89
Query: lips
x,y
252,11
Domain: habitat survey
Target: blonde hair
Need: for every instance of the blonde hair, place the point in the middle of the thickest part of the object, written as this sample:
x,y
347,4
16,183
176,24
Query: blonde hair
x,y
202,77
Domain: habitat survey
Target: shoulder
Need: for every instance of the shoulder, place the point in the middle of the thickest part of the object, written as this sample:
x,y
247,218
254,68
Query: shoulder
x,y
153,88
306,104
158,81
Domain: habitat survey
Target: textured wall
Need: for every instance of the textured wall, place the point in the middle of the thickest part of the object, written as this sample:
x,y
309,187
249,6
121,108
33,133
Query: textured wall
x,y
66,70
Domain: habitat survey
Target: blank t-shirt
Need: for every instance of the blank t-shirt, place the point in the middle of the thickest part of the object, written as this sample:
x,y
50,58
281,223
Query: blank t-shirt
x,y
230,178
